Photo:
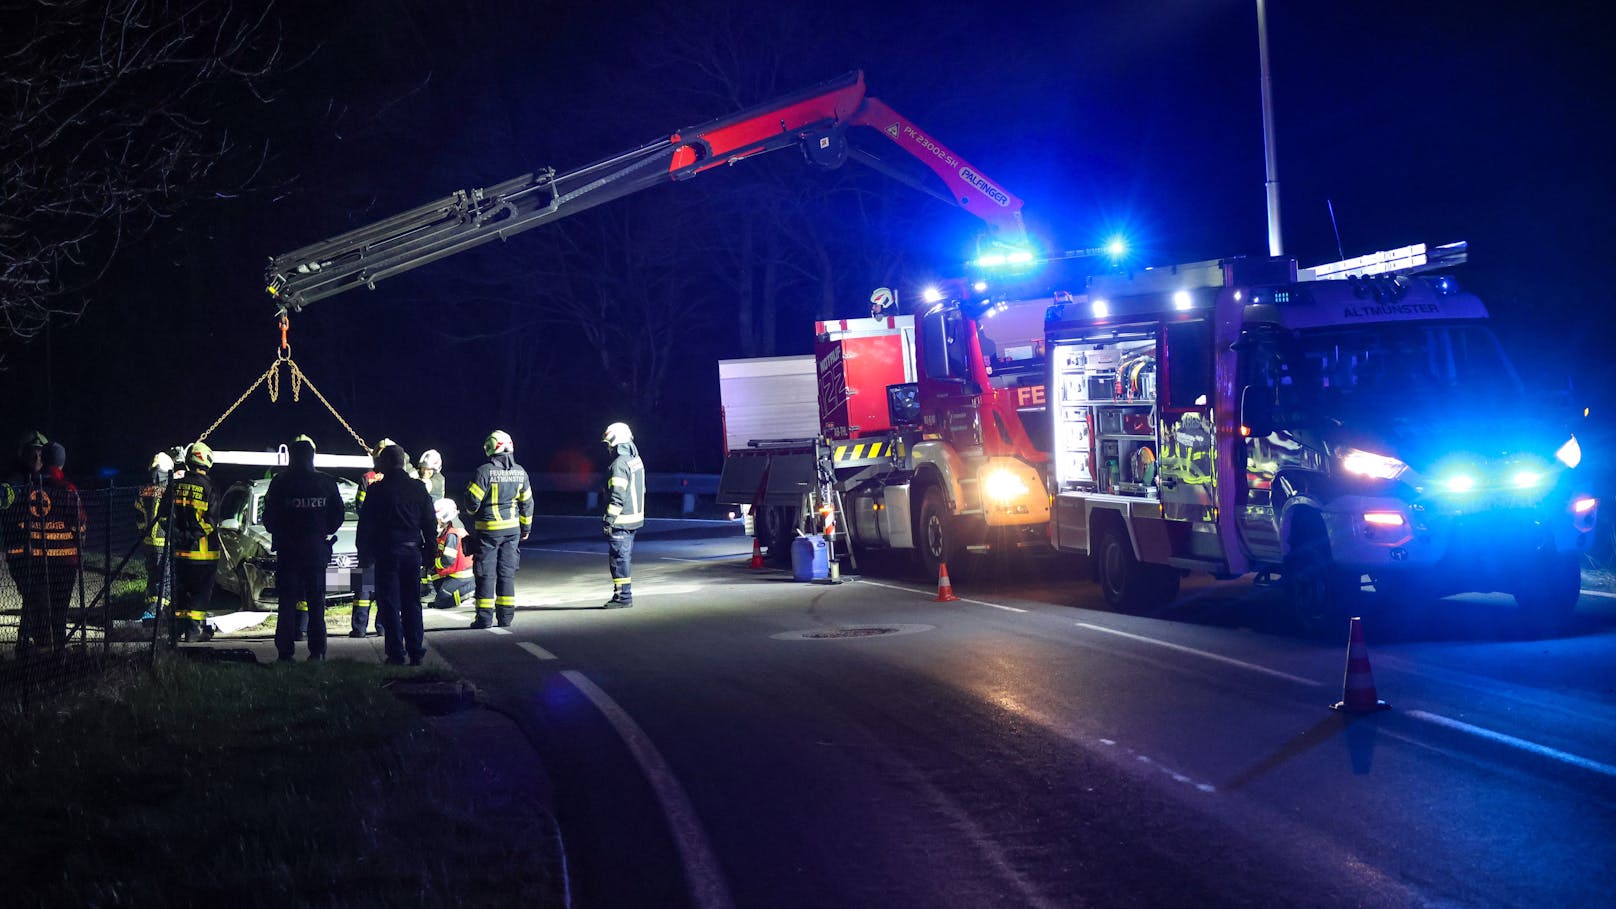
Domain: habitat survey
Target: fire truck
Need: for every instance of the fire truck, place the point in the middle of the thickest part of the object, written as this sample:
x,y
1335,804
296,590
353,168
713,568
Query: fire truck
x,y
1315,427
922,433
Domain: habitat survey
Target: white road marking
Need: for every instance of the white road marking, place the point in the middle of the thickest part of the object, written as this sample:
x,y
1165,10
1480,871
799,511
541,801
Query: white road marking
x,y
1598,593
1514,742
1202,653
497,630
536,650
707,888
961,599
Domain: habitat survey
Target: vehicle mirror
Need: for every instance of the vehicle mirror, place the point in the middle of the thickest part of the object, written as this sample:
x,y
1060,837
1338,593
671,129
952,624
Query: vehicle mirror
x,y
903,404
1257,410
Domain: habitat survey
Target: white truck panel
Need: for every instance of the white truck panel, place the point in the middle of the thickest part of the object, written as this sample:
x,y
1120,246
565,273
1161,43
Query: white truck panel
x,y
768,398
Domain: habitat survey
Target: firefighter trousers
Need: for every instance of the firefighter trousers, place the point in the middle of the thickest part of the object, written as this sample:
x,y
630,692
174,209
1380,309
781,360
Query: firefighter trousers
x,y
620,562
193,595
159,583
495,568
300,584
451,592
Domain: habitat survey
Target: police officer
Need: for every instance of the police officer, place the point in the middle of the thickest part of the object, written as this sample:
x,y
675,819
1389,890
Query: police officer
x,y
195,543
625,511
499,501
148,520
302,512
452,573
396,528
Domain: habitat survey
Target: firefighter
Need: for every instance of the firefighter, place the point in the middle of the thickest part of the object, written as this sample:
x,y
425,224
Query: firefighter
x,y
22,487
365,597
396,529
430,469
499,501
302,512
452,576
148,520
625,511
195,545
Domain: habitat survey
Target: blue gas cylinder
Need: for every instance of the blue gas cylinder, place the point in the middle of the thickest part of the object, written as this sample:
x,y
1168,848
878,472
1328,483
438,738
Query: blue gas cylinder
x,y
809,559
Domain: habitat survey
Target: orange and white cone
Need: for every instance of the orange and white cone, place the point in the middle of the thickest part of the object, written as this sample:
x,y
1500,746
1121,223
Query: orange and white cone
x,y
1358,688
757,553
945,588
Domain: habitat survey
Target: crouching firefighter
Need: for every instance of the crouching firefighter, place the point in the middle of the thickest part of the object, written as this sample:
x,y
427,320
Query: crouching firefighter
x,y
499,502
452,578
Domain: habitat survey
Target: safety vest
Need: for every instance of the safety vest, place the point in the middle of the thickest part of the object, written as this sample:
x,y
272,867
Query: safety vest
x,y
44,520
453,560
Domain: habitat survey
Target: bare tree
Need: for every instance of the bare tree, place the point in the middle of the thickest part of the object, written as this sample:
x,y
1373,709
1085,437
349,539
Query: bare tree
x,y
111,119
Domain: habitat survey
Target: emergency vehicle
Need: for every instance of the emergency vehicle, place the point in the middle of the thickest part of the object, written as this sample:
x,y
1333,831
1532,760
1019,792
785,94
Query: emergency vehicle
x,y
1354,419
919,433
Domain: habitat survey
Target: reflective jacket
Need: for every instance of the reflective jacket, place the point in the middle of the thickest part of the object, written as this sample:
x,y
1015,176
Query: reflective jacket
x,y
44,518
148,514
191,497
499,497
625,489
453,559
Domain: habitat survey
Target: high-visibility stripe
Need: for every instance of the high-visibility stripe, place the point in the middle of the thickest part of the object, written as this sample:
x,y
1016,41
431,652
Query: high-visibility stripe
x,y
614,510
207,556
618,582
497,524
485,602
504,601
475,490
619,482
629,516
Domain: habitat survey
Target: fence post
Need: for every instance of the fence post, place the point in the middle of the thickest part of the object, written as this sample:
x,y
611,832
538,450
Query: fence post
x,y
106,576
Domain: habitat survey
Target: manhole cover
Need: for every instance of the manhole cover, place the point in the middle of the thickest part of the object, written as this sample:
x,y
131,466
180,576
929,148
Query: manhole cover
x,y
850,632
855,631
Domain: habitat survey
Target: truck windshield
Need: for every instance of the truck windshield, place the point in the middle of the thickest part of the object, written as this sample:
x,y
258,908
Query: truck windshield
x,y
1425,361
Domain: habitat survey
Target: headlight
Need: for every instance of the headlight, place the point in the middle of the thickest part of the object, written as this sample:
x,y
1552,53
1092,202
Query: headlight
x,y
1368,464
1003,486
1569,454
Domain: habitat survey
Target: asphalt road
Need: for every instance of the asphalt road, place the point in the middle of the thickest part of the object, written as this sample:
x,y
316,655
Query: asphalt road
x,y
740,739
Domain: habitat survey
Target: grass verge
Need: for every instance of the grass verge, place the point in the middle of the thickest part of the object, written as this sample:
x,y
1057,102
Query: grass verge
x,y
239,784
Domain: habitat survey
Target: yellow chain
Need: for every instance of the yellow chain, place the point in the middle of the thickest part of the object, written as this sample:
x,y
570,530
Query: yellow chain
x,y
270,375
299,377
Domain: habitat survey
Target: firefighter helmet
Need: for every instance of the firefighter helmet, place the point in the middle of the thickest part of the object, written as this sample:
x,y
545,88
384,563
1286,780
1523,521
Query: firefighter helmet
x,y
162,462
199,456
447,510
380,445
498,442
617,434
304,437
430,460
31,439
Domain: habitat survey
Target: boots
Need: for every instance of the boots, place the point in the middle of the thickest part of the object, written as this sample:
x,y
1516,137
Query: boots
x,y
485,618
622,597
361,621
302,621
505,615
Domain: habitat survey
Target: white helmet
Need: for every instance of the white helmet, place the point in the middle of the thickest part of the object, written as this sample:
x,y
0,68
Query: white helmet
x,y
617,434
430,460
447,510
498,442
162,461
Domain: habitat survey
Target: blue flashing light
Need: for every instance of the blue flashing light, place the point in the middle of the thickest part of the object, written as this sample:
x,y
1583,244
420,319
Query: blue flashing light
x,y
991,260
932,295
1526,479
1116,247
980,286
1460,483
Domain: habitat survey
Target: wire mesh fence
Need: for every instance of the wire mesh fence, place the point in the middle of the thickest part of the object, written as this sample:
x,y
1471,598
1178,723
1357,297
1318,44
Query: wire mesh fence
x,y
75,588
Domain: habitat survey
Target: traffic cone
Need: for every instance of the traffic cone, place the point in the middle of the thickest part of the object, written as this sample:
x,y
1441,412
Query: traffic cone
x,y
945,588
1358,688
757,553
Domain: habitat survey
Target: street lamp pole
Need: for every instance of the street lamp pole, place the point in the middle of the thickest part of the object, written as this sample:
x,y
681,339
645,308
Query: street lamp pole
x,y
1276,246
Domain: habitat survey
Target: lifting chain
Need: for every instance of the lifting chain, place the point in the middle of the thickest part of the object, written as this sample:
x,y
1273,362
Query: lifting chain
x,y
272,380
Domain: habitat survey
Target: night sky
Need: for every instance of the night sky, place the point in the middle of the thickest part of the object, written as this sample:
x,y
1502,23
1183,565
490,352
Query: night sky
x,y
1426,122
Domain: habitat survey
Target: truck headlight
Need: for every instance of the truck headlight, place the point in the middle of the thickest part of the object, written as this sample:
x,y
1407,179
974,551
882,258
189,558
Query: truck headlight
x,y
1569,454
1002,486
1369,464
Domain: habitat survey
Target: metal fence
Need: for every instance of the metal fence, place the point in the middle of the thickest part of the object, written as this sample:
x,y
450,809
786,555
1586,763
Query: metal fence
x,y
73,591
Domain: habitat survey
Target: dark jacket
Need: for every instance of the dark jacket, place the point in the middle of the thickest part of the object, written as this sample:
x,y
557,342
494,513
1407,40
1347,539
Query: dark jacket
x,y
397,517
302,509
625,489
499,498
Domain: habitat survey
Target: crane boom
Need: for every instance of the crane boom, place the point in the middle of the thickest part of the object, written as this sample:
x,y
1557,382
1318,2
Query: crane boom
x,y
815,120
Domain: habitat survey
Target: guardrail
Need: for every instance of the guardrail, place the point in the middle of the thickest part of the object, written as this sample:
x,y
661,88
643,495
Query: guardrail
x,y
686,485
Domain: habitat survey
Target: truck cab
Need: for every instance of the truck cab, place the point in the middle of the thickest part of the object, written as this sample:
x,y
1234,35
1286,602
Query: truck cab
x,y
1319,431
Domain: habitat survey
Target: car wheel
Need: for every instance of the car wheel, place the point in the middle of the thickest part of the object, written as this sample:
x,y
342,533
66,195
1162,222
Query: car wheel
x,y
1321,595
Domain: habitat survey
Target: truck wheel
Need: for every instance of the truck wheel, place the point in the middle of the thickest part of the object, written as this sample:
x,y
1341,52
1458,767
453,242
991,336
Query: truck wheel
x,y
777,531
1321,595
1128,584
936,539
1547,605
